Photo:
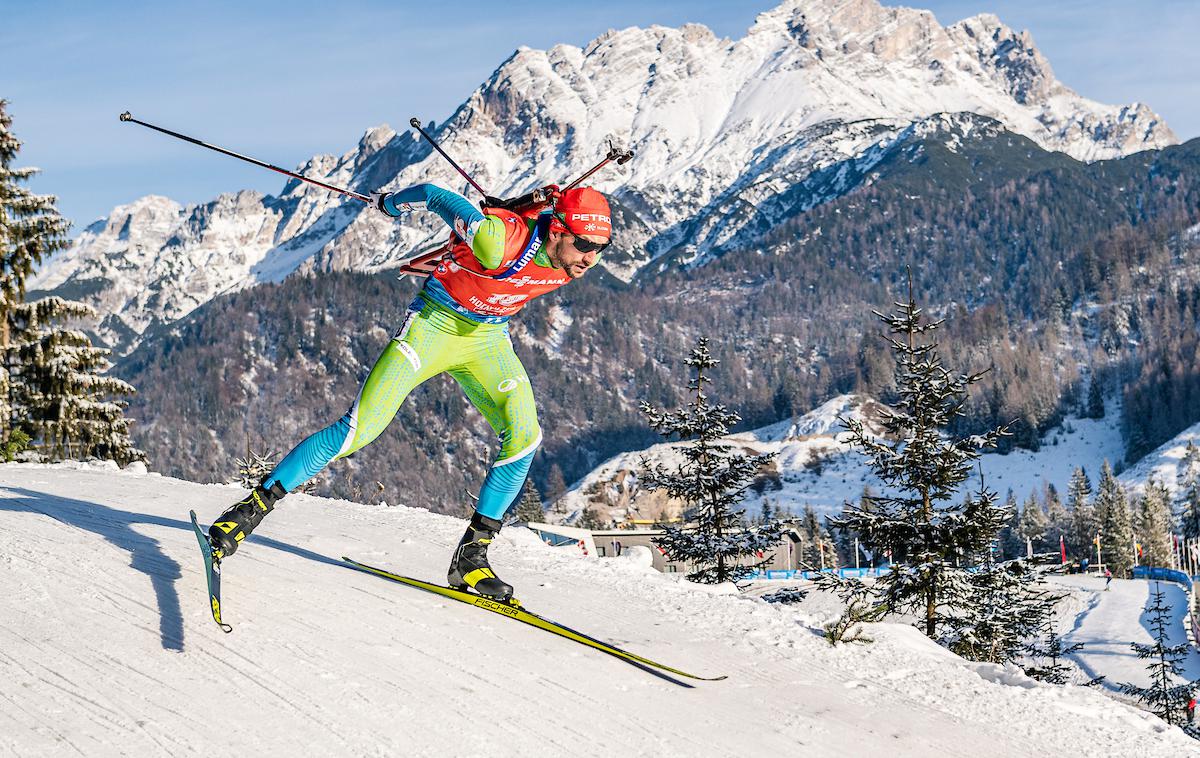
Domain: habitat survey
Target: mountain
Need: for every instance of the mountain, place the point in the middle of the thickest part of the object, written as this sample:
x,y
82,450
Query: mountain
x,y
115,652
732,139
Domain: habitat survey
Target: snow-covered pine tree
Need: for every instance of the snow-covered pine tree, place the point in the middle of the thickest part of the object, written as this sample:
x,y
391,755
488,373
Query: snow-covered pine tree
x,y
711,481
1165,697
932,537
30,230
1058,521
1047,654
1011,543
1034,524
1006,606
1154,525
819,550
255,467
529,508
59,391
1116,524
1082,533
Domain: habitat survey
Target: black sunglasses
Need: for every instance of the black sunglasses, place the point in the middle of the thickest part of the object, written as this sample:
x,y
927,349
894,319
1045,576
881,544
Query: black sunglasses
x,y
587,246
582,245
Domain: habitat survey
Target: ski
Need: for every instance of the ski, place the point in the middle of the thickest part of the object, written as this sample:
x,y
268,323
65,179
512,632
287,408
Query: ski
x,y
212,572
513,610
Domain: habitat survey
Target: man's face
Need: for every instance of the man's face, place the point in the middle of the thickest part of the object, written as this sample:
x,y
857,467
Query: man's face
x,y
565,255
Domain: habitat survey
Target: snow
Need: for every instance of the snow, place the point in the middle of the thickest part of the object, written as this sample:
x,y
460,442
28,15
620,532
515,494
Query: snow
x,y
1113,619
1164,465
817,467
108,649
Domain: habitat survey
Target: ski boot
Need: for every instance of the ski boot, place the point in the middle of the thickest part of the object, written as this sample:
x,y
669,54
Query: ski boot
x,y
235,524
469,566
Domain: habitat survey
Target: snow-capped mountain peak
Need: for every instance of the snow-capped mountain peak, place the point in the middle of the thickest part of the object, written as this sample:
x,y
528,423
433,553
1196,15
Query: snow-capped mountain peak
x,y
732,137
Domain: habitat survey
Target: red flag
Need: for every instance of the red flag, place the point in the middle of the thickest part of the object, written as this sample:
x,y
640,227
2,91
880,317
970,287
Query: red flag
x,y
1062,548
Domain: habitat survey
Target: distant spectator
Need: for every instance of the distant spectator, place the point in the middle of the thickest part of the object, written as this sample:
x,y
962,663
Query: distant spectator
x,y
1107,578
1083,566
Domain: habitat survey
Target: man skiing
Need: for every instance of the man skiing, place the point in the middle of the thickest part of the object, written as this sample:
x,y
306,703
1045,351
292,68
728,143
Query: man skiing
x,y
501,259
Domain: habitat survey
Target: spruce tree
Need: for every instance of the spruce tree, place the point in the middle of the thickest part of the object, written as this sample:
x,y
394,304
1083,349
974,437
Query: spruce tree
x,y
1116,525
1012,544
1034,524
1095,399
30,230
711,481
1165,697
60,392
1082,533
931,536
529,510
1047,654
1007,605
1058,521
1154,526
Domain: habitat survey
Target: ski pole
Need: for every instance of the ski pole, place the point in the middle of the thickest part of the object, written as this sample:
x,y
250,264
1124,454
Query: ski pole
x,y
415,123
614,154
364,198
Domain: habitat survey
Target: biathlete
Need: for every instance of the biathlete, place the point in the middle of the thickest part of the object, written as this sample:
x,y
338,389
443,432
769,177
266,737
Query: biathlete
x,y
458,324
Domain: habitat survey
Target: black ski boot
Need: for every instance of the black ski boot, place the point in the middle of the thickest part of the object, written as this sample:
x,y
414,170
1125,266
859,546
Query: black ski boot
x,y
469,566
235,524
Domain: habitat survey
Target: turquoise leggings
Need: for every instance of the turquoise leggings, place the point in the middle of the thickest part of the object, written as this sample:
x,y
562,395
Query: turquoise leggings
x,y
433,340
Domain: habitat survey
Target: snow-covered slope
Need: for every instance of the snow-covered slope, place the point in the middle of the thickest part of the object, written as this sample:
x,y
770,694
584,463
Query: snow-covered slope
x,y
731,138
814,465
108,649
1113,619
1166,465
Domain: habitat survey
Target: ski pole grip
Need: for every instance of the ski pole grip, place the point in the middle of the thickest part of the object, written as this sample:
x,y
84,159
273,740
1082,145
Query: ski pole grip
x,y
126,116
414,122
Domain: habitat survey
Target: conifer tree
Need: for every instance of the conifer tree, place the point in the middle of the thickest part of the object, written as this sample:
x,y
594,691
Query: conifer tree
x,y
1047,654
1095,399
819,550
1058,521
1154,525
30,230
1012,544
1034,524
1116,525
931,536
529,509
1165,697
1082,533
1007,605
711,481
58,386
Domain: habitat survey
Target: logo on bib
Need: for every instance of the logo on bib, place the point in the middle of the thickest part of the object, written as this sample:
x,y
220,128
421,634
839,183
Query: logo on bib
x,y
508,385
502,299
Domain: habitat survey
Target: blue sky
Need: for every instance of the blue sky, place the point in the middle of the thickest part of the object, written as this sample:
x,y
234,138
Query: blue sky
x,y
284,81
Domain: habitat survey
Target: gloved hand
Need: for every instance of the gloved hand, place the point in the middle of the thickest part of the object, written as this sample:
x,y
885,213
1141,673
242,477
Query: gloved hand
x,y
377,199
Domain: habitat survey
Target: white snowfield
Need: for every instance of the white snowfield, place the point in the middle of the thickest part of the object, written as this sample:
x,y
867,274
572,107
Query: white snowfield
x,y
107,648
1115,618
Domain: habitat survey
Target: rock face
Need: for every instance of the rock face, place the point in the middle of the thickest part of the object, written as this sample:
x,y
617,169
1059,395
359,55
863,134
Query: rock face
x,y
732,137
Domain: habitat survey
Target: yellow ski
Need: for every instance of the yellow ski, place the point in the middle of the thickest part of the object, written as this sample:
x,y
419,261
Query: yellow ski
x,y
513,610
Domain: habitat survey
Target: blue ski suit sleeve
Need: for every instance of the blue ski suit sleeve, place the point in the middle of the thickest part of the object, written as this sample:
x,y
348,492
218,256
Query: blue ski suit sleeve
x,y
485,234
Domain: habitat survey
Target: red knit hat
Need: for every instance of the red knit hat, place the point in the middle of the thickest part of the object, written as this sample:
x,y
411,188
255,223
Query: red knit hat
x,y
582,210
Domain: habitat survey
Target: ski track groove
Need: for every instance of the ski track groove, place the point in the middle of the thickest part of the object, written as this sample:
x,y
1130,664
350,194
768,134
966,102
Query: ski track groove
x,y
310,713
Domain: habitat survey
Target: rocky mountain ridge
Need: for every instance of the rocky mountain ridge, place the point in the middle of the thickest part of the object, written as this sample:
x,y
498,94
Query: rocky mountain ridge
x,y
732,138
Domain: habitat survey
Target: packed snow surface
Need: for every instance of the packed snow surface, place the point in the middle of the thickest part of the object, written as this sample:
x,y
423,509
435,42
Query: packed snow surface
x,y
1114,618
108,649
